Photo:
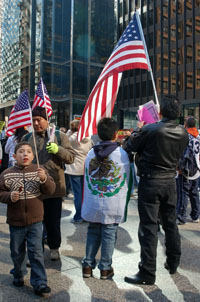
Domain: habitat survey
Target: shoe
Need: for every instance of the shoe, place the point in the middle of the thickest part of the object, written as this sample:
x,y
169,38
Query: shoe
x,y
18,282
54,254
195,220
106,274
137,279
42,289
87,271
79,221
172,271
70,195
180,221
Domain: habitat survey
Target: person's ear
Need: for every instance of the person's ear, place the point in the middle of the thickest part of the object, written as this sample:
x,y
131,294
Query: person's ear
x,y
14,156
115,137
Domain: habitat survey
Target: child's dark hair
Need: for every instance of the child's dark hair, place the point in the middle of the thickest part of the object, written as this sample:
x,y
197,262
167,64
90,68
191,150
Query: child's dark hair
x,y
190,122
106,128
22,144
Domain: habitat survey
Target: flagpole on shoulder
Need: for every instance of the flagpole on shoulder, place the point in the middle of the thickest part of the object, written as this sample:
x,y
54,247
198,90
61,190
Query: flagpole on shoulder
x,y
147,55
45,106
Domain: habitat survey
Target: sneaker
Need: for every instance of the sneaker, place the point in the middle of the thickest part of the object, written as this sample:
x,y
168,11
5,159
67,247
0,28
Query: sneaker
x,y
106,274
18,282
42,289
54,254
87,271
195,220
79,221
70,195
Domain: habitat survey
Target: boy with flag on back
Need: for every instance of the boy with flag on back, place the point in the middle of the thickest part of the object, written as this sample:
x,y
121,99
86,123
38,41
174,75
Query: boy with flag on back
x,y
106,180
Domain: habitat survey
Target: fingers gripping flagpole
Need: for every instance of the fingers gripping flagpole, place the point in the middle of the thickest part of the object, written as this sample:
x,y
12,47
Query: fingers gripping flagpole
x,y
48,129
147,55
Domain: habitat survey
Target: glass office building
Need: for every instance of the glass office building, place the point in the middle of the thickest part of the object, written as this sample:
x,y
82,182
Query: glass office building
x,y
172,34
66,42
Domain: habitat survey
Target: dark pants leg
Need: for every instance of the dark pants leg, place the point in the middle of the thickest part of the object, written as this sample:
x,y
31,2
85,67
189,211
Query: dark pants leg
x,y
52,216
156,196
190,192
194,199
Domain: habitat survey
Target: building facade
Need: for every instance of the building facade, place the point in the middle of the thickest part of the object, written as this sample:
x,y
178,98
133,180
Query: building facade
x,y
172,35
66,42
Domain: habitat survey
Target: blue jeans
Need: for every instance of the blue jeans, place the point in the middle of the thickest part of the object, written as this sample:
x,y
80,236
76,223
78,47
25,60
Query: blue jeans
x,y
190,191
32,234
77,188
104,235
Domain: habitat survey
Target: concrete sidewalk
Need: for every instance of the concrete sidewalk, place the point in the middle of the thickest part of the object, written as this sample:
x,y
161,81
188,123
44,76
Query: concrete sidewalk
x,y
65,277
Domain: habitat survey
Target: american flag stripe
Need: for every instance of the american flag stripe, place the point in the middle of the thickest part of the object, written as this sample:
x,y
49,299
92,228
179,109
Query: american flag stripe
x,y
129,53
102,105
42,99
20,115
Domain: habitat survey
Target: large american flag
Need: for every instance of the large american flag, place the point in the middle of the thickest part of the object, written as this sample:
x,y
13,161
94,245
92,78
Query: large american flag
x,y
20,115
42,99
129,53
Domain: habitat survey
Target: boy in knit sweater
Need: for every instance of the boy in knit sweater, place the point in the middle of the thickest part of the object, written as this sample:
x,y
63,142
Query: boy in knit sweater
x,y
106,180
21,188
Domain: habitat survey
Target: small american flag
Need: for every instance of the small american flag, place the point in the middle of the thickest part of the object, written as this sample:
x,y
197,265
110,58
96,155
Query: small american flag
x,y
20,115
129,53
42,99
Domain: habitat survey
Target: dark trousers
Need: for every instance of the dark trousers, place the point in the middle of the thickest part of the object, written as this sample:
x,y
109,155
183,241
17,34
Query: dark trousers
x,y
190,192
157,196
52,217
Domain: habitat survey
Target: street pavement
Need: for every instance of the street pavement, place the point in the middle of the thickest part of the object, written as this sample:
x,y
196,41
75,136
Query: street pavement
x,y
65,276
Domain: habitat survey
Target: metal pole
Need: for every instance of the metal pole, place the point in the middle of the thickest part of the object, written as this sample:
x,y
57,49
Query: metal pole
x,y
147,55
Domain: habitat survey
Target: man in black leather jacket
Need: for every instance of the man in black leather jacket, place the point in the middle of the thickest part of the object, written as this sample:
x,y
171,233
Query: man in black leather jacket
x,y
159,147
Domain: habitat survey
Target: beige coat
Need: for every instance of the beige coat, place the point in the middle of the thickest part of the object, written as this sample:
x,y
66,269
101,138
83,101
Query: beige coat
x,y
81,149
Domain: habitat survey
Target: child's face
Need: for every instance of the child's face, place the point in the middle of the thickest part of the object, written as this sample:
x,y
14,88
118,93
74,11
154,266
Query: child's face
x,y
24,156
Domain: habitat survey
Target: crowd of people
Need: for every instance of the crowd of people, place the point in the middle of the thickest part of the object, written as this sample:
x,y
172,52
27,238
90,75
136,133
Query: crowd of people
x,y
101,172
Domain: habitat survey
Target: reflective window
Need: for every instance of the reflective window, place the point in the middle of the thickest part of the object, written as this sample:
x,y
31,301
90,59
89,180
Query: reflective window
x,y
102,33
80,79
198,79
197,48
80,30
189,54
173,57
180,55
181,82
173,83
189,27
197,25
180,30
189,4
189,80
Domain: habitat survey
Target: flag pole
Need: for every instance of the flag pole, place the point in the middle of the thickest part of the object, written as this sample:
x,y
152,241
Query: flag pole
x,y
147,55
48,128
34,140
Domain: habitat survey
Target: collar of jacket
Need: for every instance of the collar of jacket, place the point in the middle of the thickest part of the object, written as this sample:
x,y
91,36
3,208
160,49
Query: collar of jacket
x,y
22,168
167,120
